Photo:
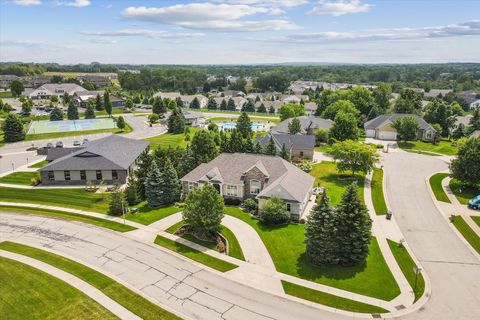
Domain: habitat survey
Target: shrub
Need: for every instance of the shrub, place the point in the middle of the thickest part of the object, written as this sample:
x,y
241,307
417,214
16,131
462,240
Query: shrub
x,y
212,127
321,136
305,166
232,201
250,205
274,211
153,118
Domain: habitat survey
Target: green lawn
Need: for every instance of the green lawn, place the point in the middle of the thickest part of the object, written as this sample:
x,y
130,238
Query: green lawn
x,y
476,219
406,264
5,94
326,176
23,178
329,299
436,185
196,255
28,293
54,135
69,216
443,147
146,215
252,118
325,148
286,245
234,249
378,197
462,193
467,232
251,114
170,139
117,292
38,164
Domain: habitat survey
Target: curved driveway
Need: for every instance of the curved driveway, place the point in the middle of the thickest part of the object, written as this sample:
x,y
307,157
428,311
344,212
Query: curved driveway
x,y
453,270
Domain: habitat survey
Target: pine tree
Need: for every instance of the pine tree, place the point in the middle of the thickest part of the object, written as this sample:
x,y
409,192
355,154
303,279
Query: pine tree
x,y
294,126
195,104
270,148
13,128
244,125
56,114
169,186
72,111
212,104
271,110
121,123
159,106
257,99
153,187
224,143
223,105
176,122
98,103
284,153
131,191
353,228
249,106
320,233
89,112
117,203
248,146
179,102
236,141
262,109
257,148
107,104
231,105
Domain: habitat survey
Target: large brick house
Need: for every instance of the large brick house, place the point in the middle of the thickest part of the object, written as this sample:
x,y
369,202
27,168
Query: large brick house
x,y
240,176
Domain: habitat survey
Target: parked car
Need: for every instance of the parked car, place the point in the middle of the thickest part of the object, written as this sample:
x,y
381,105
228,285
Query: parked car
x,y
474,203
59,144
76,143
49,145
85,141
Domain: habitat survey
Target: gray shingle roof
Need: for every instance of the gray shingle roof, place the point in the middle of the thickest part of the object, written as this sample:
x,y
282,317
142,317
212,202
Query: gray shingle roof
x,y
381,120
295,141
306,123
56,153
110,153
284,179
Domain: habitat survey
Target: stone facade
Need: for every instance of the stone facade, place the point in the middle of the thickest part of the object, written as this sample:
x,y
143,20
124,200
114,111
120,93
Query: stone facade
x,y
253,174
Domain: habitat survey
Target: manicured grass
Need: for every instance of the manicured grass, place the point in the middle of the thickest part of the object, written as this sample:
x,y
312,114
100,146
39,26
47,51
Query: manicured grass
x,y
146,215
5,94
329,299
467,232
436,185
39,164
253,119
170,139
462,193
69,216
71,198
286,245
378,197
54,135
22,178
324,148
443,147
406,264
196,255
28,293
476,219
326,176
117,292
250,114
234,249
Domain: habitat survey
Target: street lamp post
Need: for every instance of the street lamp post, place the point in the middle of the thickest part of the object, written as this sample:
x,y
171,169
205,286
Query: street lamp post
x,y
416,270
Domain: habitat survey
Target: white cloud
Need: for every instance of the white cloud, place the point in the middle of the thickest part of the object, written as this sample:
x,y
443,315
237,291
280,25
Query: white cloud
x,y
27,2
210,16
279,3
78,3
103,40
154,34
339,7
22,43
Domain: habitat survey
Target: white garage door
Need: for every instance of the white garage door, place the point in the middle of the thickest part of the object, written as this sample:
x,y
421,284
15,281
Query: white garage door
x,y
370,133
387,135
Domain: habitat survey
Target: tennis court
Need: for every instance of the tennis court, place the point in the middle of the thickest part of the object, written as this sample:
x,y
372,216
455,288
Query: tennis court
x,y
45,126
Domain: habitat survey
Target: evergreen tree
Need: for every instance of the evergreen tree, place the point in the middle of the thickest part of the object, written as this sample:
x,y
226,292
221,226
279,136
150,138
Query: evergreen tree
x,y
121,123
72,111
143,168
223,105
195,104
244,125
169,186
212,104
257,148
270,148
159,106
153,187
271,110
262,109
231,105
294,126
257,99
107,104
475,120
89,112
176,122
224,142
248,146
117,203
249,106
13,128
320,233
98,103
284,153
459,132
131,191
179,102
186,163
236,141
353,228
203,147
56,114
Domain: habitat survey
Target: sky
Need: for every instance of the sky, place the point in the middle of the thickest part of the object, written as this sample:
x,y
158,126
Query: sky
x,y
239,31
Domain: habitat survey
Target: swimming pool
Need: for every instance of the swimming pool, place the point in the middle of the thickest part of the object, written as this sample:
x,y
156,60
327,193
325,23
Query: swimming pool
x,y
232,125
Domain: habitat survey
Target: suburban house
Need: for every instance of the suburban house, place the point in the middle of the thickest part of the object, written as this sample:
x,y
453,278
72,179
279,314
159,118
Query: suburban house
x,y
311,108
110,159
471,97
381,127
238,176
98,80
297,145
117,102
294,98
308,125
80,98
53,89
435,93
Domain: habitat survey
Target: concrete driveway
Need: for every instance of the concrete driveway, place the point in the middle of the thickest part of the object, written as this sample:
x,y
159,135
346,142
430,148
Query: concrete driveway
x,y
453,270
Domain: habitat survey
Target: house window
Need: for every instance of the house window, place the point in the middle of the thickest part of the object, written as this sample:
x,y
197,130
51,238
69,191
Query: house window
x,y
114,175
99,174
231,190
301,153
51,176
289,207
83,175
67,175
254,186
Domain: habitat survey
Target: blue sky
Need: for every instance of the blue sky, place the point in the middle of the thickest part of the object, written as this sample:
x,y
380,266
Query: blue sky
x,y
239,31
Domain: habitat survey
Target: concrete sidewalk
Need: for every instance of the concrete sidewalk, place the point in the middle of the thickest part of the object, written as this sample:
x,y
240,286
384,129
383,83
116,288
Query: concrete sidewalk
x,y
75,282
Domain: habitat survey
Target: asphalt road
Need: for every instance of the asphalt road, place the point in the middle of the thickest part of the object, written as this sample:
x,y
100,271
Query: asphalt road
x,y
453,270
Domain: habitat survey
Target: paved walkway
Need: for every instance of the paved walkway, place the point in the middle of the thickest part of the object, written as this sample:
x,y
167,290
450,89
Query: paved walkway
x,y
75,282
